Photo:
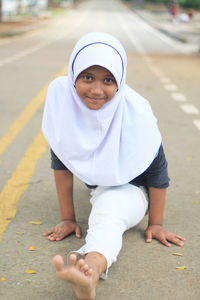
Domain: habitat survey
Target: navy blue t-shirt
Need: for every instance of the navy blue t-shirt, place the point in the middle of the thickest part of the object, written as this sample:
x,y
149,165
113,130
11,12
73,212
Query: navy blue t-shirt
x,y
156,175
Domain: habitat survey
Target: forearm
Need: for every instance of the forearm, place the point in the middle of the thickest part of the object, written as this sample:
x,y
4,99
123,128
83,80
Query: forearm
x,y
157,204
64,187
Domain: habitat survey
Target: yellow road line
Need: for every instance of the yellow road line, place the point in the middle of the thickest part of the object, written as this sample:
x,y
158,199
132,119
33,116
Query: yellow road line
x,y
25,116
19,181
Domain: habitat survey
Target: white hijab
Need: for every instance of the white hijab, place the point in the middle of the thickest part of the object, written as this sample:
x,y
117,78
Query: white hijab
x,y
105,147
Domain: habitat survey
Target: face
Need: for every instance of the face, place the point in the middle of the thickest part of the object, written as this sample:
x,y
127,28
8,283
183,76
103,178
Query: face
x,y
96,86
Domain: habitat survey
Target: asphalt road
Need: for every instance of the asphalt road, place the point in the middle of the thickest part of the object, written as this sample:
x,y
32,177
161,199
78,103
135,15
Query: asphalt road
x,y
162,71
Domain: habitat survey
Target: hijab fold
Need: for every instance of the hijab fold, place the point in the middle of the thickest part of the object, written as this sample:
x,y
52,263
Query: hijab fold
x,y
105,147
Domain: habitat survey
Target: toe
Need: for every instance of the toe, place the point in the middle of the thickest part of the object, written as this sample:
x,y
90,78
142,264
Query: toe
x,y
72,259
80,264
89,272
85,268
58,262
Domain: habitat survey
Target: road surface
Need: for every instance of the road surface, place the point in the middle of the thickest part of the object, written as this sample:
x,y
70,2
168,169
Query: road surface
x,y
164,72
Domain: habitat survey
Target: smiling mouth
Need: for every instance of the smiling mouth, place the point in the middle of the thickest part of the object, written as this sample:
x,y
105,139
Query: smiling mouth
x,y
96,99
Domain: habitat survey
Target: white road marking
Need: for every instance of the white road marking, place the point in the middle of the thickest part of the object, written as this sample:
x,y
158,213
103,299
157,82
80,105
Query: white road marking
x,y
189,109
49,40
185,49
179,97
170,87
197,123
165,80
148,60
156,71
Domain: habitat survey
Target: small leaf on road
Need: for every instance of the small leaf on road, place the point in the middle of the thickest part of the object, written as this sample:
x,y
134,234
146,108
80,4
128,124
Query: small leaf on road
x,y
3,279
36,222
188,158
181,268
31,248
28,271
19,232
177,254
196,202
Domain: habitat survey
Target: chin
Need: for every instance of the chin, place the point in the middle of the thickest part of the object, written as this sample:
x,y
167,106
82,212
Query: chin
x,y
95,108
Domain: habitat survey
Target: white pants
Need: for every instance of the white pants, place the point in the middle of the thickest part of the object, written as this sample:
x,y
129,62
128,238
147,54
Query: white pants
x,y
114,210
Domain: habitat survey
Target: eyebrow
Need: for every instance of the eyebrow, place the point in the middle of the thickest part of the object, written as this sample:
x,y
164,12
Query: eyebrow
x,y
87,73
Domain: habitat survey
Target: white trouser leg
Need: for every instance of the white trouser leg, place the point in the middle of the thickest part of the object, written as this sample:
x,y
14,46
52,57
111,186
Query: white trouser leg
x,y
114,210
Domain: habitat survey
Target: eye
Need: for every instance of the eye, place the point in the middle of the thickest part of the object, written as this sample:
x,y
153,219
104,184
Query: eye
x,y
87,77
109,80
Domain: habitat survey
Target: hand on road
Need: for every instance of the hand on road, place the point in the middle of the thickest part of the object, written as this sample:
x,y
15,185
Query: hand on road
x,y
163,235
63,229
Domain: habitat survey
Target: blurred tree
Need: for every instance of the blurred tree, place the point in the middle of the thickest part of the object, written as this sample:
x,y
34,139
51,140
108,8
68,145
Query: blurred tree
x,y
190,3
0,10
183,3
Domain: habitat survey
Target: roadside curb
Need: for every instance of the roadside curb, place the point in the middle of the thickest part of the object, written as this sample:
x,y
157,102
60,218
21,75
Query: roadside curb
x,y
24,29
154,24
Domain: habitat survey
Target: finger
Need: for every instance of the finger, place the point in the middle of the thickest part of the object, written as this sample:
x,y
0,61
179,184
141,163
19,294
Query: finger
x,y
177,241
56,237
148,237
78,232
181,237
48,232
164,241
51,238
61,237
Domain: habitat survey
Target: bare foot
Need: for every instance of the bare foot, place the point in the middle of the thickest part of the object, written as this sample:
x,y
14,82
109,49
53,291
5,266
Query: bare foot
x,y
82,278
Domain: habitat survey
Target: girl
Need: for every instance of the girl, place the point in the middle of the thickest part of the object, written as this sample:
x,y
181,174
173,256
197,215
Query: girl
x,y
102,131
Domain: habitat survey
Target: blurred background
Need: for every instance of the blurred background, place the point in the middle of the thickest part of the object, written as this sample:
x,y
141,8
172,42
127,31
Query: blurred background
x,y
162,41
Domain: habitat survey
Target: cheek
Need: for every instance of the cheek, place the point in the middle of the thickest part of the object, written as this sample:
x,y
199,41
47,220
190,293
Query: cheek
x,y
79,88
112,92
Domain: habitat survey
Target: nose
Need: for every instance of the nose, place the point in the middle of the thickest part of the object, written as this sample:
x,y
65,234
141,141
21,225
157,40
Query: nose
x,y
97,88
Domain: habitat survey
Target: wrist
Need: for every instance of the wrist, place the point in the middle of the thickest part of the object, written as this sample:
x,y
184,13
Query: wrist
x,y
155,220
68,219
69,216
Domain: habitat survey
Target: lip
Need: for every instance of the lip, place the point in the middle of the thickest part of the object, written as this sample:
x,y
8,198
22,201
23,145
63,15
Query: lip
x,y
96,100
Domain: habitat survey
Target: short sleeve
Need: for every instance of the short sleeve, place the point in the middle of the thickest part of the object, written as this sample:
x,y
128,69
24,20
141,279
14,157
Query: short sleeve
x,y
56,164
157,173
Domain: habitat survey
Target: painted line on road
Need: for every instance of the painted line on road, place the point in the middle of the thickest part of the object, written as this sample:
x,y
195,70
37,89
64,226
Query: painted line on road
x,y
170,87
24,53
197,123
19,181
45,43
165,80
30,50
175,44
179,97
189,109
167,83
156,70
16,127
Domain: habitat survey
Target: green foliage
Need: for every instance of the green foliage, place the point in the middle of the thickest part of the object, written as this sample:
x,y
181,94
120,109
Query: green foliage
x,y
183,3
190,3
158,1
